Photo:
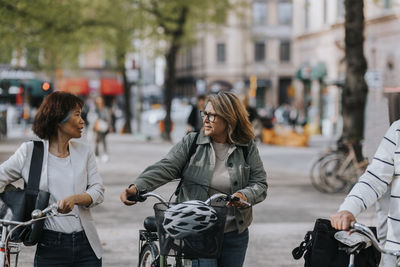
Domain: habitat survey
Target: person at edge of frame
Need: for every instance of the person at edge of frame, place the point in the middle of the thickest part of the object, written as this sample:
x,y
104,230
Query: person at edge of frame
x,y
217,165
70,175
375,186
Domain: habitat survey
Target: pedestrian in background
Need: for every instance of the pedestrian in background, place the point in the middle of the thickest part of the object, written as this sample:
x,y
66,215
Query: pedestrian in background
x,y
218,165
70,176
194,121
102,127
254,118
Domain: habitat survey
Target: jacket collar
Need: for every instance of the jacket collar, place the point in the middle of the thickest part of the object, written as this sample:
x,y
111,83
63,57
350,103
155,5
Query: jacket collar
x,y
202,139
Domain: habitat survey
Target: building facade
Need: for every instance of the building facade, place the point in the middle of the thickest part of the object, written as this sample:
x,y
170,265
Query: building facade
x,y
252,51
319,57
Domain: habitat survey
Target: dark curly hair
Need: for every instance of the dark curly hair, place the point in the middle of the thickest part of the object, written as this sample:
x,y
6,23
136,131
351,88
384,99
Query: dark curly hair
x,y
53,110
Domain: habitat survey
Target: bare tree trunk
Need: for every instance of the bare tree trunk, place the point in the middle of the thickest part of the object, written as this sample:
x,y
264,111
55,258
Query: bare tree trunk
x,y
355,89
121,51
127,106
170,82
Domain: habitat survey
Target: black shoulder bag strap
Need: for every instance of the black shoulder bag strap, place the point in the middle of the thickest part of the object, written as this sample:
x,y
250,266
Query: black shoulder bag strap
x,y
35,171
192,150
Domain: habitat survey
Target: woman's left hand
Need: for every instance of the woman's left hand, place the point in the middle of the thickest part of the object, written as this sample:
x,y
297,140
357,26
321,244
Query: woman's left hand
x,y
66,205
238,203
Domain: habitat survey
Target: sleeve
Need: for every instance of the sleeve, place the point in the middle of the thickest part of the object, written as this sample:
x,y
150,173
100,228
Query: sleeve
x,y
375,180
256,190
167,169
95,187
11,169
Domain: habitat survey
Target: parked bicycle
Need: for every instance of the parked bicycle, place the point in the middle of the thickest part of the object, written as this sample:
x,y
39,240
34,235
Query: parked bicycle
x,y
337,170
169,241
8,248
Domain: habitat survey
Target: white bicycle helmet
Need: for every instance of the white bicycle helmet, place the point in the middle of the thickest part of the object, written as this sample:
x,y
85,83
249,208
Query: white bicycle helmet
x,y
188,217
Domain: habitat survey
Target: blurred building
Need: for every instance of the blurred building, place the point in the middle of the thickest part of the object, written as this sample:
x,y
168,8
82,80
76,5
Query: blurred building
x,y
318,54
252,51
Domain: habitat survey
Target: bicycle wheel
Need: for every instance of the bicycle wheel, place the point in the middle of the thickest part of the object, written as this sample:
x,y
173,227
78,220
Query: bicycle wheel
x,y
317,180
333,180
149,256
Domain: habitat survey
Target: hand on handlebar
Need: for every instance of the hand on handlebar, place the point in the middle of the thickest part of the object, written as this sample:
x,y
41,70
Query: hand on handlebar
x,y
342,219
66,205
238,200
131,195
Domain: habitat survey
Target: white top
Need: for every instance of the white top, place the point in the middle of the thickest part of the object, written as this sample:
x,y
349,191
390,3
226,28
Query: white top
x,y
384,169
61,185
221,181
86,180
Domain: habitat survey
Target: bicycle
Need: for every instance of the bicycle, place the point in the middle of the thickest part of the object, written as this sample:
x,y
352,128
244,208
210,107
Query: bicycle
x,y
337,170
155,246
8,248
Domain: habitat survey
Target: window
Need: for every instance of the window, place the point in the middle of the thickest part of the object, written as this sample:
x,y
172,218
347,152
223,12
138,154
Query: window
x,y
221,53
387,4
285,13
259,51
325,12
307,15
340,9
284,51
259,12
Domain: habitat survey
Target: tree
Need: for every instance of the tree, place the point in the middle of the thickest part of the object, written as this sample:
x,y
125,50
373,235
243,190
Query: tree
x,y
41,27
177,21
60,30
355,88
118,22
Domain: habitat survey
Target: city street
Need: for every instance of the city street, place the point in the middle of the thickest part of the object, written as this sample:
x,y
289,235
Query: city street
x,y
280,222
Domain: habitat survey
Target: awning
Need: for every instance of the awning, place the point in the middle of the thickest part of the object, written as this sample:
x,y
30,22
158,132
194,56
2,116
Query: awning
x,y
318,72
308,72
304,72
111,87
78,86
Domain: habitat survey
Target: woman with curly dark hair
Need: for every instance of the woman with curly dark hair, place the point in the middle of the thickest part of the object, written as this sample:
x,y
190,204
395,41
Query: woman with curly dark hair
x,y
69,174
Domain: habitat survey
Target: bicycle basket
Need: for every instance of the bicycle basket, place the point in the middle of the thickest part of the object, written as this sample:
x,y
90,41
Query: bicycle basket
x,y
200,245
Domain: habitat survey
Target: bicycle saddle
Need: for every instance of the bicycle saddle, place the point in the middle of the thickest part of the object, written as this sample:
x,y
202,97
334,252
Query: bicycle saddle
x,y
150,224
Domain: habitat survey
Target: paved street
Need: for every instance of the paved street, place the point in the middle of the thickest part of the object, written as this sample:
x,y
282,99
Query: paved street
x,y
279,224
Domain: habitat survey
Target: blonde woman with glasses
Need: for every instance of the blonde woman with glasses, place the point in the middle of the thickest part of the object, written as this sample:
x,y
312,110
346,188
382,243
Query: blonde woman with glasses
x,y
226,160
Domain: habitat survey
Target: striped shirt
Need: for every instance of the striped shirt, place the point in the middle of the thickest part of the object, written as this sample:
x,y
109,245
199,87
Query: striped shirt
x,y
384,169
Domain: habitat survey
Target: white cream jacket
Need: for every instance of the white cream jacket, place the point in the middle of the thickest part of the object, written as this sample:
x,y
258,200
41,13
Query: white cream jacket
x,y
87,180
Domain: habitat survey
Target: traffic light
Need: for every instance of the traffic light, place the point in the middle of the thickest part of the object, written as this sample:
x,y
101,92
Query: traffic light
x,y
46,86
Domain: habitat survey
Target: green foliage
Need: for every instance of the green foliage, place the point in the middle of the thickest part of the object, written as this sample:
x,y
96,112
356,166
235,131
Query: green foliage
x,y
165,21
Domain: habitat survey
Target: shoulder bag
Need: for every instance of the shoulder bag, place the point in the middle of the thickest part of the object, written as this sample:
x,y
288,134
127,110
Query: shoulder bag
x,y
23,201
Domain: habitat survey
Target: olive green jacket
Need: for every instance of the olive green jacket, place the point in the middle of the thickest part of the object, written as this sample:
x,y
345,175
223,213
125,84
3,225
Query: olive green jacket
x,y
248,178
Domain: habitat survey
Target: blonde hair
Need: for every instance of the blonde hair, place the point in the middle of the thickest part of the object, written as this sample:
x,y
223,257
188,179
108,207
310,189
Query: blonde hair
x,y
228,106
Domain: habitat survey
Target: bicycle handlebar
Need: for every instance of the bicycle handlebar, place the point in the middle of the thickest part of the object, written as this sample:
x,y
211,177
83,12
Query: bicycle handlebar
x,y
362,229
41,213
142,195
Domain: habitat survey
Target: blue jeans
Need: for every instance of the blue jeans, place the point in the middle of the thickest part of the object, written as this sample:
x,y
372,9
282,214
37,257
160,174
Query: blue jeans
x,y
233,252
65,250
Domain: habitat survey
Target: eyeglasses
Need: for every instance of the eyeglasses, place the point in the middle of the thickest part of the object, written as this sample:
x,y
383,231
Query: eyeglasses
x,y
210,116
